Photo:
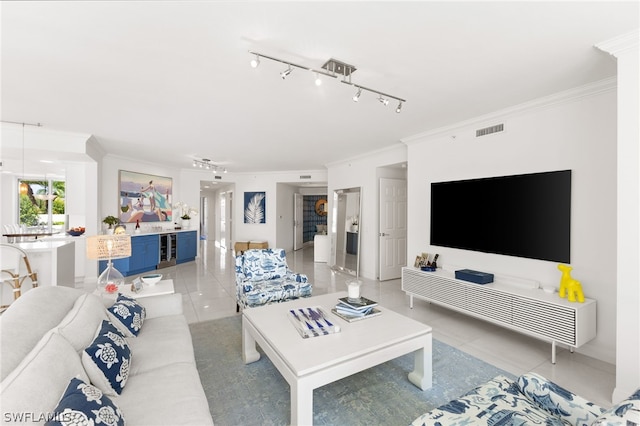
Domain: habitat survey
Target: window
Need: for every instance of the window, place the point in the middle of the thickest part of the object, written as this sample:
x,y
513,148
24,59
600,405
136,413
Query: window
x,y
43,205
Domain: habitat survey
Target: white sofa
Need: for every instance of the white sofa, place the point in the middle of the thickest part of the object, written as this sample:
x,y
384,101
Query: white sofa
x,y
42,338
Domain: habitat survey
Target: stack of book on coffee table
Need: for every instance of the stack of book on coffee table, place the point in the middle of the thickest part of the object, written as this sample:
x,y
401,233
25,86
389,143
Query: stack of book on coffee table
x,y
355,309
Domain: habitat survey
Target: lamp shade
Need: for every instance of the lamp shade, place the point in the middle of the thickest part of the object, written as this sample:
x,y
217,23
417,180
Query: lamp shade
x,y
105,247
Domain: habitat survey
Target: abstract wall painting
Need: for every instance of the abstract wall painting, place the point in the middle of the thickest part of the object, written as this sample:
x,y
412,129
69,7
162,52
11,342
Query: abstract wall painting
x,y
255,210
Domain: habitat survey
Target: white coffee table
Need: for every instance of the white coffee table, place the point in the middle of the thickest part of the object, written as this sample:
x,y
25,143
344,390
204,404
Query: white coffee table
x,y
307,364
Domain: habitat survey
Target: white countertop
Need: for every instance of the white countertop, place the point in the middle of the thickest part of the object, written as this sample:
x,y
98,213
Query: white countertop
x,y
41,245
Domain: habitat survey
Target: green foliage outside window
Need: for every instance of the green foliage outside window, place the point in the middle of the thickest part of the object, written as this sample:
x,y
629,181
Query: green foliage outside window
x,y
28,211
31,205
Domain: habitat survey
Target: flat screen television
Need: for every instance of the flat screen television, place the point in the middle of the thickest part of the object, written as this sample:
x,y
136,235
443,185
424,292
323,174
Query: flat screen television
x,y
525,215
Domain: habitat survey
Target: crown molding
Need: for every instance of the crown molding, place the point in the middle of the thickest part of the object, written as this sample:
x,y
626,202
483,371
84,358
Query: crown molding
x,y
621,44
565,96
367,154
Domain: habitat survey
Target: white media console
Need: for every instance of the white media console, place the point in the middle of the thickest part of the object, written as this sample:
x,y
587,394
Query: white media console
x,y
530,311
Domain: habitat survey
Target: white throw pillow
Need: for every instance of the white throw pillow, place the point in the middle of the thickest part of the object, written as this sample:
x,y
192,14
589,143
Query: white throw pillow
x,y
80,324
34,387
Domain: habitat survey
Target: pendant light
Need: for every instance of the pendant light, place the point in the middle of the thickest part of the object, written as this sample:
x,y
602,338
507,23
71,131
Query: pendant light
x,y
24,188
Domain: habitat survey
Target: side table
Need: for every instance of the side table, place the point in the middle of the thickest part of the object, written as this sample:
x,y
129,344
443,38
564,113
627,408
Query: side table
x,y
161,287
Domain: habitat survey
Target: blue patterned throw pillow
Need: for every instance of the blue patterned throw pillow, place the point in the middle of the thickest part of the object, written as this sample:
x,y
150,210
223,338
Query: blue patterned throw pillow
x,y
83,404
128,315
107,359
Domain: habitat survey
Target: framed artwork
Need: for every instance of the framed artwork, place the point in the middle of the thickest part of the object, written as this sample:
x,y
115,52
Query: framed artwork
x,y
255,210
144,197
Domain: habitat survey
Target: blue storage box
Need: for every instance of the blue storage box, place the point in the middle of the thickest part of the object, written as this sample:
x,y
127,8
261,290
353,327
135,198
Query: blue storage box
x,y
474,276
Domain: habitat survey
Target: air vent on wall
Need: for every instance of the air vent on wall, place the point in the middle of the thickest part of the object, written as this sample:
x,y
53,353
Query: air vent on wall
x,y
305,176
218,177
488,130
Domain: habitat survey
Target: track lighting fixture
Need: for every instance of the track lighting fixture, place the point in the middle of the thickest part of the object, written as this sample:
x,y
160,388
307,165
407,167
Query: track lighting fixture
x,y
356,97
332,68
286,72
206,164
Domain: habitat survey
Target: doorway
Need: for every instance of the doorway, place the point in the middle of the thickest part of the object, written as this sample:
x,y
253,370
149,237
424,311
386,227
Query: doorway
x,y
392,227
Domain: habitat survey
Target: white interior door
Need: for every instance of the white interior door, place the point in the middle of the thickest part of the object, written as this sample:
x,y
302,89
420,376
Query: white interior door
x,y
392,228
298,221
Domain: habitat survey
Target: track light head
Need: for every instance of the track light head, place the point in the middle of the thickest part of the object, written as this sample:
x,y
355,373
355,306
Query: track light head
x,y
286,72
383,101
399,107
318,80
356,97
255,62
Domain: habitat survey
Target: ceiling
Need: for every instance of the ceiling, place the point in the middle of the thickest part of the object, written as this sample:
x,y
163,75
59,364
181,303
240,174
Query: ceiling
x,y
166,82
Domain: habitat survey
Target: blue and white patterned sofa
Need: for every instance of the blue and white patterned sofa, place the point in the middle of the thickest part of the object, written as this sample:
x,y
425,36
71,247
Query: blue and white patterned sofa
x,y
263,277
531,400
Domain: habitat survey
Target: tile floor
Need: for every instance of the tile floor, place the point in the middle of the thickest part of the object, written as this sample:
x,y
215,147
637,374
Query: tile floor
x,y
208,289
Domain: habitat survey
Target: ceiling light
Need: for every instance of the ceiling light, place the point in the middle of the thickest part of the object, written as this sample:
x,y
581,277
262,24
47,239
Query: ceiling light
x,y
356,97
334,69
286,72
206,163
225,170
399,107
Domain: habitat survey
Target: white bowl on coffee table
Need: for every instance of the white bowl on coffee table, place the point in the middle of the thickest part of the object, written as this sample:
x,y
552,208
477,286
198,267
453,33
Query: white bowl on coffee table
x,y
151,279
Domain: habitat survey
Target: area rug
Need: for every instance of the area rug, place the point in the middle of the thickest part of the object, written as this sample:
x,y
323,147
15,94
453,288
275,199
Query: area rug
x,y
256,394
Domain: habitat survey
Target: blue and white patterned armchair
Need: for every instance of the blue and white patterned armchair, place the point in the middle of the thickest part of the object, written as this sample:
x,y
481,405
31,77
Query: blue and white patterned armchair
x,y
531,400
263,277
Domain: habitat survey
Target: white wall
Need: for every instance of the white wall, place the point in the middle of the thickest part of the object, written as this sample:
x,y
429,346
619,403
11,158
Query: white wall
x,y
284,220
625,49
268,182
363,172
573,130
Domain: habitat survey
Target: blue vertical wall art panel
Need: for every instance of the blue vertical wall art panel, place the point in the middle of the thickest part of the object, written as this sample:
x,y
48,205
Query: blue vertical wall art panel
x,y
310,217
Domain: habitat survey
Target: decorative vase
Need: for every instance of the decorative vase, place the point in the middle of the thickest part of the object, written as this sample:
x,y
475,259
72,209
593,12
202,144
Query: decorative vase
x,y
186,223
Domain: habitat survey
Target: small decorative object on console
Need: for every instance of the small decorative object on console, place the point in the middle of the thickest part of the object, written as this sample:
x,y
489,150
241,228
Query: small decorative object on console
x,y
136,285
569,288
77,231
151,279
111,288
474,276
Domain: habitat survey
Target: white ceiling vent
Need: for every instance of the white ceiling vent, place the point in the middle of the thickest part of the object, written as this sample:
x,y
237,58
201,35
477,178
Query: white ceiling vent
x,y
489,130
